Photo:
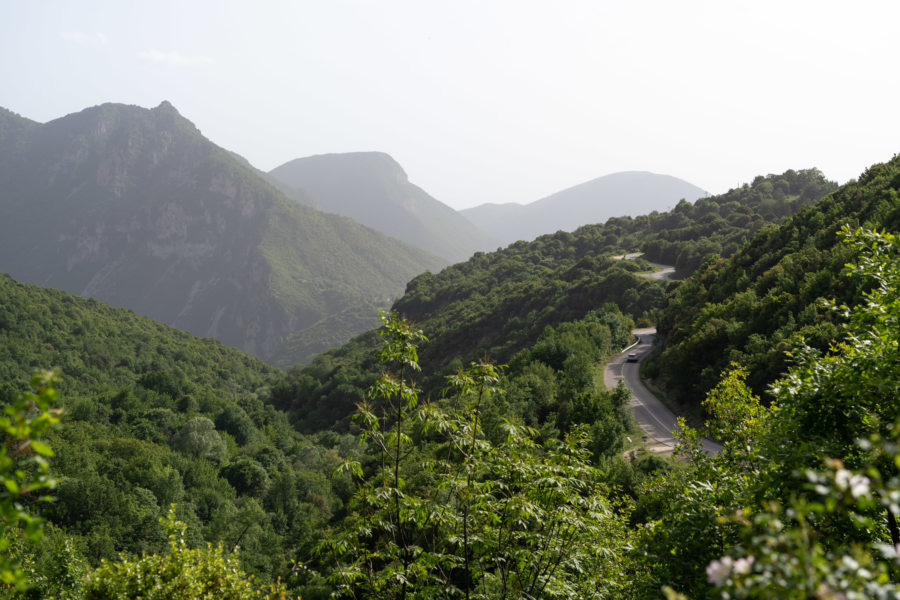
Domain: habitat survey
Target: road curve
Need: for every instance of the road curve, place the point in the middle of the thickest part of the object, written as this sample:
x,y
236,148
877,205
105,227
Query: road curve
x,y
664,272
654,418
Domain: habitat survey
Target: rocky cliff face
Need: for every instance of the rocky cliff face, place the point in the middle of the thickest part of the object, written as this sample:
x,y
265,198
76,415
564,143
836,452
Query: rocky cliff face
x,y
136,208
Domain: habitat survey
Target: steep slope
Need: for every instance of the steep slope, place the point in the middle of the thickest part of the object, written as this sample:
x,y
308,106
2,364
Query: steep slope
x,y
154,416
100,348
371,188
753,307
498,304
137,208
629,193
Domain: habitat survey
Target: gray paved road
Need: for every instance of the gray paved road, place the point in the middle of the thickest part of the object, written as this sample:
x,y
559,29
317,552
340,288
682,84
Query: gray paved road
x,y
665,272
655,419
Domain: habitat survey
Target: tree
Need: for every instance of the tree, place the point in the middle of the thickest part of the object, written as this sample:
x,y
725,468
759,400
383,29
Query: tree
x,y
181,574
736,418
24,467
482,519
836,535
199,438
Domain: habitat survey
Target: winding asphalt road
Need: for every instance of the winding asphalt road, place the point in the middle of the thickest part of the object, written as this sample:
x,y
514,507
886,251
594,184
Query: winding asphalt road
x,y
655,419
663,272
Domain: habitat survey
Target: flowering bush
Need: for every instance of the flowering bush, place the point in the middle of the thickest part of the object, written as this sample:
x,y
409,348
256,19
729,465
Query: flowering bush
x,y
787,555
834,536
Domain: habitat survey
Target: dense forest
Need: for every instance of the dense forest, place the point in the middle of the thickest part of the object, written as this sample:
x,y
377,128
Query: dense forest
x,y
468,447
153,416
690,233
760,303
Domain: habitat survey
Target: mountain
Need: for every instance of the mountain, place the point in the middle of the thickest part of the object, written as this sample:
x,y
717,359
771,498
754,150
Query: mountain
x,y
630,193
371,188
136,208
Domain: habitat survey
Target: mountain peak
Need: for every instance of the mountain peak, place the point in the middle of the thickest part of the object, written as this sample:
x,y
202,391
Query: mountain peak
x,y
5,113
11,123
373,189
370,164
167,106
135,207
113,116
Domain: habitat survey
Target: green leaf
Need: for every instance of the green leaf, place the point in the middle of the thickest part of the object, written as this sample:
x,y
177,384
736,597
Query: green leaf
x,y
42,448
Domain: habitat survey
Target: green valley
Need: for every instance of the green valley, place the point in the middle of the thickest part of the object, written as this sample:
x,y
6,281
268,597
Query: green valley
x,y
468,447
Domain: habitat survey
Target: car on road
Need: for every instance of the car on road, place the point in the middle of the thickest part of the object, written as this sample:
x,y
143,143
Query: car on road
x,y
632,357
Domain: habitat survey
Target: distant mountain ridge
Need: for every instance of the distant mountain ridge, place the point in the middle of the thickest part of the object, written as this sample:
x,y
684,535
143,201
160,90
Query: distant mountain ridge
x,y
136,208
373,189
628,193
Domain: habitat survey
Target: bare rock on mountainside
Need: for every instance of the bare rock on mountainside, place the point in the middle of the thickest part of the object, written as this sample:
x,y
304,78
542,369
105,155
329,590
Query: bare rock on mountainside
x,y
136,208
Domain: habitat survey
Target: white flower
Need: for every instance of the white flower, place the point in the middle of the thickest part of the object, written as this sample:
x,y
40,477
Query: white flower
x,y
826,593
842,479
742,565
859,486
718,570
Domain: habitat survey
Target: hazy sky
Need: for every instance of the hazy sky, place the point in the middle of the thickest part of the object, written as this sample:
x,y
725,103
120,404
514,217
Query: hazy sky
x,y
486,101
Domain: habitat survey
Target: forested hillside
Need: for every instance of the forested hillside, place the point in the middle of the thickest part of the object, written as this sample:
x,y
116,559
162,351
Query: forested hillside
x,y
482,504
495,304
690,233
799,504
153,416
100,348
757,305
498,469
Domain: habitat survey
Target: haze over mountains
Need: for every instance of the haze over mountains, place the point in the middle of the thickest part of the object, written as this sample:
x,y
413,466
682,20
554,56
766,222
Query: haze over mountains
x,y
371,188
629,193
136,208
